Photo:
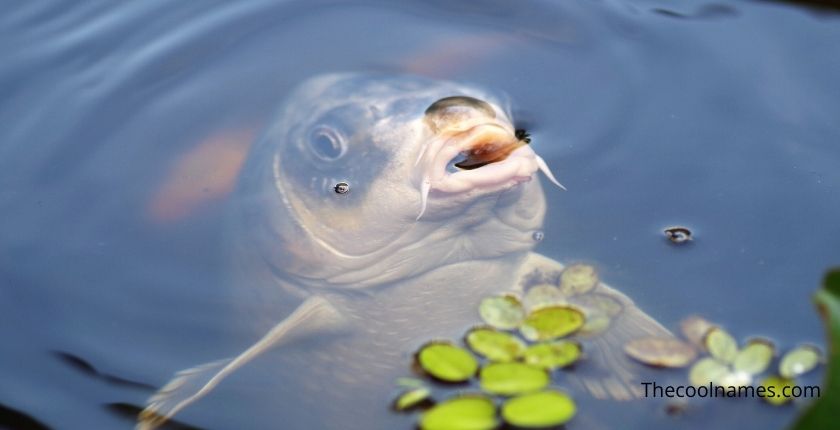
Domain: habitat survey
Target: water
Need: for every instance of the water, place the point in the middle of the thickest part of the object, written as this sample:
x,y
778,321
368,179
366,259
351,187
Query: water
x,y
717,116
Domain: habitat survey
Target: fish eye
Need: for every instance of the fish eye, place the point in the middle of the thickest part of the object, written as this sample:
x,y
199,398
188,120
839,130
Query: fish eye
x,y
327,144
456,108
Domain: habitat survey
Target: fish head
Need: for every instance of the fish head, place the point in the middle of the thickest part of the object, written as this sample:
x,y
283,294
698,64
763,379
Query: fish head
x,y
367,179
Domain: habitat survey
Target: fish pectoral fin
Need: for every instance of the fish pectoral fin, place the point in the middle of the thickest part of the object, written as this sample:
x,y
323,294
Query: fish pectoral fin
x,y
314,316
606,372
615,375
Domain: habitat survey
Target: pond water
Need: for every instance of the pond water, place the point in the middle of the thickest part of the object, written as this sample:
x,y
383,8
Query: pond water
x,y
124,126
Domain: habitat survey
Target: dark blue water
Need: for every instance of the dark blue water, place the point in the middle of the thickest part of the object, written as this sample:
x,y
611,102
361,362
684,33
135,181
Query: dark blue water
x,y
722,117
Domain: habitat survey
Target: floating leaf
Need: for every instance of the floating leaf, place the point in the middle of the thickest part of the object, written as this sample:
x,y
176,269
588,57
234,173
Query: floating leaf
x,y
504,312
512,378
707,370
539,410
495,345
661,351
578,279
695,329
551,322
721,345
411,398
822,412
447,362
594,325
553,355
773,386
470,412
799,360
755,357
735,379
543,295
410,383
598,304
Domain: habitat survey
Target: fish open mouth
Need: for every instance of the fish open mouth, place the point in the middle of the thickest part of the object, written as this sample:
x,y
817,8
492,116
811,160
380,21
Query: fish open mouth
x,y
485,155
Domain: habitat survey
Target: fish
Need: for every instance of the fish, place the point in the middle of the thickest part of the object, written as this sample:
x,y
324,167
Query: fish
x,y
441,206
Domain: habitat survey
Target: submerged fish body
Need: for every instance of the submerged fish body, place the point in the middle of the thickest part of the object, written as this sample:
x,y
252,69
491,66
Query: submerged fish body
x,y
404,257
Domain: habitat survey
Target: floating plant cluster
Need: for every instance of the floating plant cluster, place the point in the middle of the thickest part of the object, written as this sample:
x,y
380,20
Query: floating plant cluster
x,y
511,358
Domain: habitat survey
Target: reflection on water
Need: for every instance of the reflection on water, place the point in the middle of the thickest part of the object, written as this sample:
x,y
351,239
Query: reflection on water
x,y
124,125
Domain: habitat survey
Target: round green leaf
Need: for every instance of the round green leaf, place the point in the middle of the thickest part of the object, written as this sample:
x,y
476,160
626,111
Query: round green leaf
x,y
595,303
512,378
539,410
754,357
551,322
411,398
543,295
595,324
661,352
799,360
470,412
773,386
504,312
447,362
721,345
553,355
578,279
707,370
495,345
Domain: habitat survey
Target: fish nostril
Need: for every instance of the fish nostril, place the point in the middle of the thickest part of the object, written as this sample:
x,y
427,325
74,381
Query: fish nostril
x,y
450,110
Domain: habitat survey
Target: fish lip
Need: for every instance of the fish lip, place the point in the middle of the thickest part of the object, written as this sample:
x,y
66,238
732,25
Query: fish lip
x,y
517,167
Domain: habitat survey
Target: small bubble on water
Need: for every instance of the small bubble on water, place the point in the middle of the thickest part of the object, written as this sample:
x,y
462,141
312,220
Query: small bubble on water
x,y
678,234
538,236
342,188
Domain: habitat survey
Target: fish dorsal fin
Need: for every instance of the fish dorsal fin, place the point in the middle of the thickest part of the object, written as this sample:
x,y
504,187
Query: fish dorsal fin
x,y
314,316
610,373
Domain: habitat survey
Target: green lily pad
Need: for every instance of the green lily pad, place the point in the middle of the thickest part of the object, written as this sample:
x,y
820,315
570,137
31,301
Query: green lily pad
x,y
799,360
578,279
773,386
512,378
695,329
470,412
495,345
503,312
721,345
553,355
551,322
539,410
661,352
411,398
543,295
736,379
707,370
447,362
755,357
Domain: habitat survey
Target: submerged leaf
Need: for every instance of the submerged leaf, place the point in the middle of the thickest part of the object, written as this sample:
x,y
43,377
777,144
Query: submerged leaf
x,y
661,352
539,410
447,362
578,279
594,325
695,329
495,345
553,355
543,295
755,357
773,386
707,370
598,304
411,398
799,360
551,322
470,412
721,345
503,312
512,378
